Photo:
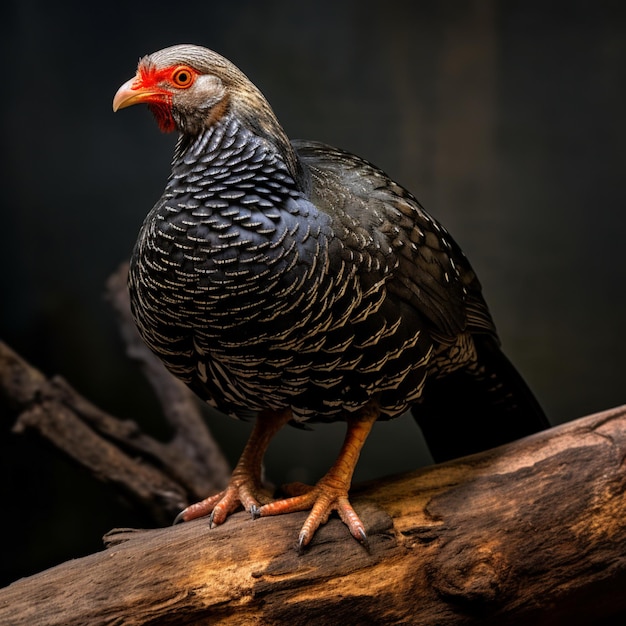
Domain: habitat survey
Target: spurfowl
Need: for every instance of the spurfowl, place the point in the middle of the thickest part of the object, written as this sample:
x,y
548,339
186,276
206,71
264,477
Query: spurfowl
x,y
290,281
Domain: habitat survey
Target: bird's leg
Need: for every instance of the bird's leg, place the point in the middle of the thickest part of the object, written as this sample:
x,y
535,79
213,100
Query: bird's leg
x,y
331,492
244,486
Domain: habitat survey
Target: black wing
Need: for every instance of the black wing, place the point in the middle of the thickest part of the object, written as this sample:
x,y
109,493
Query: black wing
x,y
371,213
473,398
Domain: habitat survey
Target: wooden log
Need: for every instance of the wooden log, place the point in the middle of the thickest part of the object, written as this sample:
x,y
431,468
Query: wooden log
x,y
531,532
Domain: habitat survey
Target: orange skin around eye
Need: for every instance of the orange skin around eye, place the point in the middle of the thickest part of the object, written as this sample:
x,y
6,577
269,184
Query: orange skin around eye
x,y
183,77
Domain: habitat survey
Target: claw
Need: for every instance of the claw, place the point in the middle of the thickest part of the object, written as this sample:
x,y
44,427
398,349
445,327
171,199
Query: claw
x,y
179,518
302,543
255,511
364,540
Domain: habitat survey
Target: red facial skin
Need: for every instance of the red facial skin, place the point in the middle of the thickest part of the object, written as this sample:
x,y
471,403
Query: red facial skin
x,y
155,88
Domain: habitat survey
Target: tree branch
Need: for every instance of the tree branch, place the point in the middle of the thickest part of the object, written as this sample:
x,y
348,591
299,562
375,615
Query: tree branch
x,y
159,478
532,532
203,465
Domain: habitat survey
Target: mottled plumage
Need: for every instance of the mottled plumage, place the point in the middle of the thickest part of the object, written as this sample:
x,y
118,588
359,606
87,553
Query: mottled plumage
x,y
297,280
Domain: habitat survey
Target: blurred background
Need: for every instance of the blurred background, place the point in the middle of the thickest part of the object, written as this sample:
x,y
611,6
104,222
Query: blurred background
x,y
505,118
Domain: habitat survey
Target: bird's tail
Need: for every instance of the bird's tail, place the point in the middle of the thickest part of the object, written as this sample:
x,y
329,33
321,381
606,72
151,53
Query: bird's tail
x,y
478,408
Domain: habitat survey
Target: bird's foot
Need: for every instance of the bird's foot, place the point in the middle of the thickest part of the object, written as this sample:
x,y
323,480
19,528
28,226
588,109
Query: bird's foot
x,y
322,499
241,492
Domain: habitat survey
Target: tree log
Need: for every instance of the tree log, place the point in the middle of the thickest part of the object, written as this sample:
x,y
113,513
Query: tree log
x,y
531,532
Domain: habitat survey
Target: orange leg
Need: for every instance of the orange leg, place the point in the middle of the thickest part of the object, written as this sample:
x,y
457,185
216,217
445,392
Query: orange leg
x,y
331,492
244,487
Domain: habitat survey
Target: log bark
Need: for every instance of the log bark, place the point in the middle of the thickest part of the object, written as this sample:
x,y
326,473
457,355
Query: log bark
x,y
531,532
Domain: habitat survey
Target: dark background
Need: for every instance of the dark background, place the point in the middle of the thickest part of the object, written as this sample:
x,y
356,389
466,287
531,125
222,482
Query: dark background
x,y
506,119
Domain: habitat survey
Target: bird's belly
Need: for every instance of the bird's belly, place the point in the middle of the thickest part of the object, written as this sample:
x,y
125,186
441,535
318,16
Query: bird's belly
x,y
321,371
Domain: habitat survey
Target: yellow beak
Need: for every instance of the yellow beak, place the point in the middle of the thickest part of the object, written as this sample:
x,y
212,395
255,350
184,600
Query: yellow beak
x,y
127,94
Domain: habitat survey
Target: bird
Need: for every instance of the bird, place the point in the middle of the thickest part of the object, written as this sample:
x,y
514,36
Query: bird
x,y
292,282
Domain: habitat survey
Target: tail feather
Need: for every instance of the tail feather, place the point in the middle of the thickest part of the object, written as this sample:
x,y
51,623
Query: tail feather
x,y
478,408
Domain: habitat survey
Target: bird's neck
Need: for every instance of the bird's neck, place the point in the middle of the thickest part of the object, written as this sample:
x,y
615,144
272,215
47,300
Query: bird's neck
x,y
236,128
232,231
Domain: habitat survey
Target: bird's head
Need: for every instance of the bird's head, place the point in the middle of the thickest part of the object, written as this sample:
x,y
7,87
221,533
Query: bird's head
x,y
188,88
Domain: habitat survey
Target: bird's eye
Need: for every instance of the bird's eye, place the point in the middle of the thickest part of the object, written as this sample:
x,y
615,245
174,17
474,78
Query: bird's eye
x,y
183,77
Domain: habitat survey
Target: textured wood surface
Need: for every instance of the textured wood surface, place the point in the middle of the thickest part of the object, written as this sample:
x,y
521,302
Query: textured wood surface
x,y
532,532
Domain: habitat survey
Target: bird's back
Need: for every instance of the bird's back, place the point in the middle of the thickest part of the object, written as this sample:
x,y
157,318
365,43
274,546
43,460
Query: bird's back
x,y
472,397
427,274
